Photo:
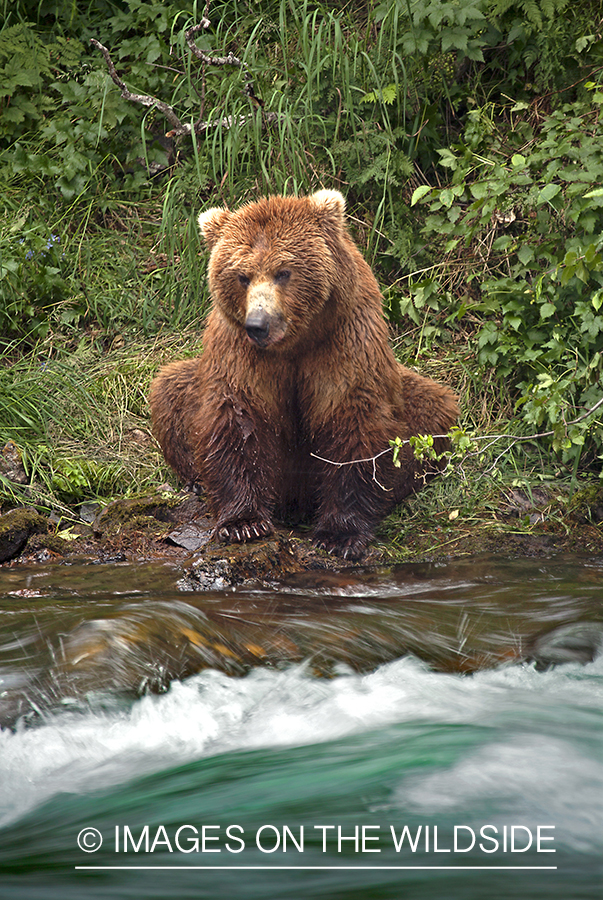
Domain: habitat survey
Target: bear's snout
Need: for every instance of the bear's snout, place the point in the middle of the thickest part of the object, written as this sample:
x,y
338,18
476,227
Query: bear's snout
x,y
257,326
264,320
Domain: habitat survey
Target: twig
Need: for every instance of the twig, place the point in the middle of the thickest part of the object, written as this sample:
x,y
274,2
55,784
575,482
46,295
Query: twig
x,y
352,462
370,459
516,438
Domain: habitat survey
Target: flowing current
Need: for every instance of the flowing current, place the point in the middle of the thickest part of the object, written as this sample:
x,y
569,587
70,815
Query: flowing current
x,y
466,763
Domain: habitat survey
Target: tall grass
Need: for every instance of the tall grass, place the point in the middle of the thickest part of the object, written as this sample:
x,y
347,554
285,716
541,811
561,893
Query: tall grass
x,y
81,421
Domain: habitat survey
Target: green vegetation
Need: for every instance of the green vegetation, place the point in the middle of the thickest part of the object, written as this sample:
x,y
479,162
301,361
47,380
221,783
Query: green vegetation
x,y
466,136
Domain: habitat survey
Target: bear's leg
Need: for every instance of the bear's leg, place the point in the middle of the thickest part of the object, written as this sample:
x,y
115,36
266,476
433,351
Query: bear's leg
x,y
240,459
174,399
353,498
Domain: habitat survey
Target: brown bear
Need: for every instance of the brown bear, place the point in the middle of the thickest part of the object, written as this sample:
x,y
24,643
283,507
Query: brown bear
x,y
297,391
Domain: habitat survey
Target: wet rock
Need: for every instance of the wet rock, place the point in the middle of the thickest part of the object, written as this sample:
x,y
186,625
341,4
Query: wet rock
x,y
580,642
11,464
89,512
226,565
140,651
16,527
192,536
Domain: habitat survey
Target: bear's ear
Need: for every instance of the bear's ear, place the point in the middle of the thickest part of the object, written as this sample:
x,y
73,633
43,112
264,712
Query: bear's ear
x,y
211,222
331,207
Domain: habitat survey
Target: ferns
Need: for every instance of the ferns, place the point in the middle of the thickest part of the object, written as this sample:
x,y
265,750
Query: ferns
x,y
532,13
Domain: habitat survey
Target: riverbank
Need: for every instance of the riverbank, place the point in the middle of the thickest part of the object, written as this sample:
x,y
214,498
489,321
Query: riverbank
x,y
77,451
176,526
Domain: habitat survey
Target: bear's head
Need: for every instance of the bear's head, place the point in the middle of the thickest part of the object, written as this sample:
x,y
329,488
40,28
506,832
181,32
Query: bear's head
x,y
275,268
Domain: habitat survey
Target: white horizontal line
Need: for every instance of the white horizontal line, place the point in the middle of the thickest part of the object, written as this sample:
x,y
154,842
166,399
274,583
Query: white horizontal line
x,y
328,868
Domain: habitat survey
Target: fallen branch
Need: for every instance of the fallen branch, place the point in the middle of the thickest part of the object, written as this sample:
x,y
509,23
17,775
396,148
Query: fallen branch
x,y
230,60
180,128
126,93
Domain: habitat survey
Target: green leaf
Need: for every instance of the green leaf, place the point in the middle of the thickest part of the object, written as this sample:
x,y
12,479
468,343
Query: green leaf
x,y
583,42
480,189
386,95
548,192
448,159
547,310
420,192
567,273
518,161
514,321
389,93
525,254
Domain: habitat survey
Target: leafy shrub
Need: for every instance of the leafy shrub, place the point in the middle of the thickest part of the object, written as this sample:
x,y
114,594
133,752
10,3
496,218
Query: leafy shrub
x,y
34,279
520,227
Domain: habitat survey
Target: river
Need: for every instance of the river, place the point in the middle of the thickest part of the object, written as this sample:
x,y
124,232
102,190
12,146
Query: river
x,y
430,731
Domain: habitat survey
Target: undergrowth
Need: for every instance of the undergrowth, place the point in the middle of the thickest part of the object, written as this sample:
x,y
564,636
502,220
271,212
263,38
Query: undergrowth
x,y
80,420
466,137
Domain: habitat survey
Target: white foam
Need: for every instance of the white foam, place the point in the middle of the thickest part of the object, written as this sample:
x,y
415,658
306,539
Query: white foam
x,y
212,713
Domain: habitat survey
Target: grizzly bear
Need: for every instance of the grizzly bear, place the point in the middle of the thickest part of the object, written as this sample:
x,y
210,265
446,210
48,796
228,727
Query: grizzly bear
x,y
297,391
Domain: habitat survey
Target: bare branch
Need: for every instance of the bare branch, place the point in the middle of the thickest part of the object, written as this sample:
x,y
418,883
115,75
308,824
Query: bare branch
x,y
353,462
144,99
180,128
370,459
514,438
230,60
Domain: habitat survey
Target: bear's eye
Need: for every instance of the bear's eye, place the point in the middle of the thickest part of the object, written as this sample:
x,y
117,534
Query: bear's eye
x,y
282,276
244,280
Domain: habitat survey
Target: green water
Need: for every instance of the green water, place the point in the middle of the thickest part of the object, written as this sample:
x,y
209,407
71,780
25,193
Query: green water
x,y
509,752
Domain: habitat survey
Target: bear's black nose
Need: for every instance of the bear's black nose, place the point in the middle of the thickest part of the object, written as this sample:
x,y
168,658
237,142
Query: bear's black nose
x,y
257,326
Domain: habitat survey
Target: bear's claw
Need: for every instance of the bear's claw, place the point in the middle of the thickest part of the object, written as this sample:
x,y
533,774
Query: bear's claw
x,y
351,546
241,532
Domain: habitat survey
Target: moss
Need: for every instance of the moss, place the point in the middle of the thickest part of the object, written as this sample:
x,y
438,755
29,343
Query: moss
x,y
51,542
137,512
586,506
15,528
25,519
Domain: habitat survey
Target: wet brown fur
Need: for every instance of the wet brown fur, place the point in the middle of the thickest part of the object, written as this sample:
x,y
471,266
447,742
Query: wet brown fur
x,y
244,420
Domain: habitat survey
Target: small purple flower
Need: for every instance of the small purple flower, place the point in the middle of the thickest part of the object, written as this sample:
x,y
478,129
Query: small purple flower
x,y
29,254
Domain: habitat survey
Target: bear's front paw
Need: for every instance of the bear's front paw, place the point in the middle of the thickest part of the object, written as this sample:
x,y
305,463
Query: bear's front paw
x,y
241,532
350,546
